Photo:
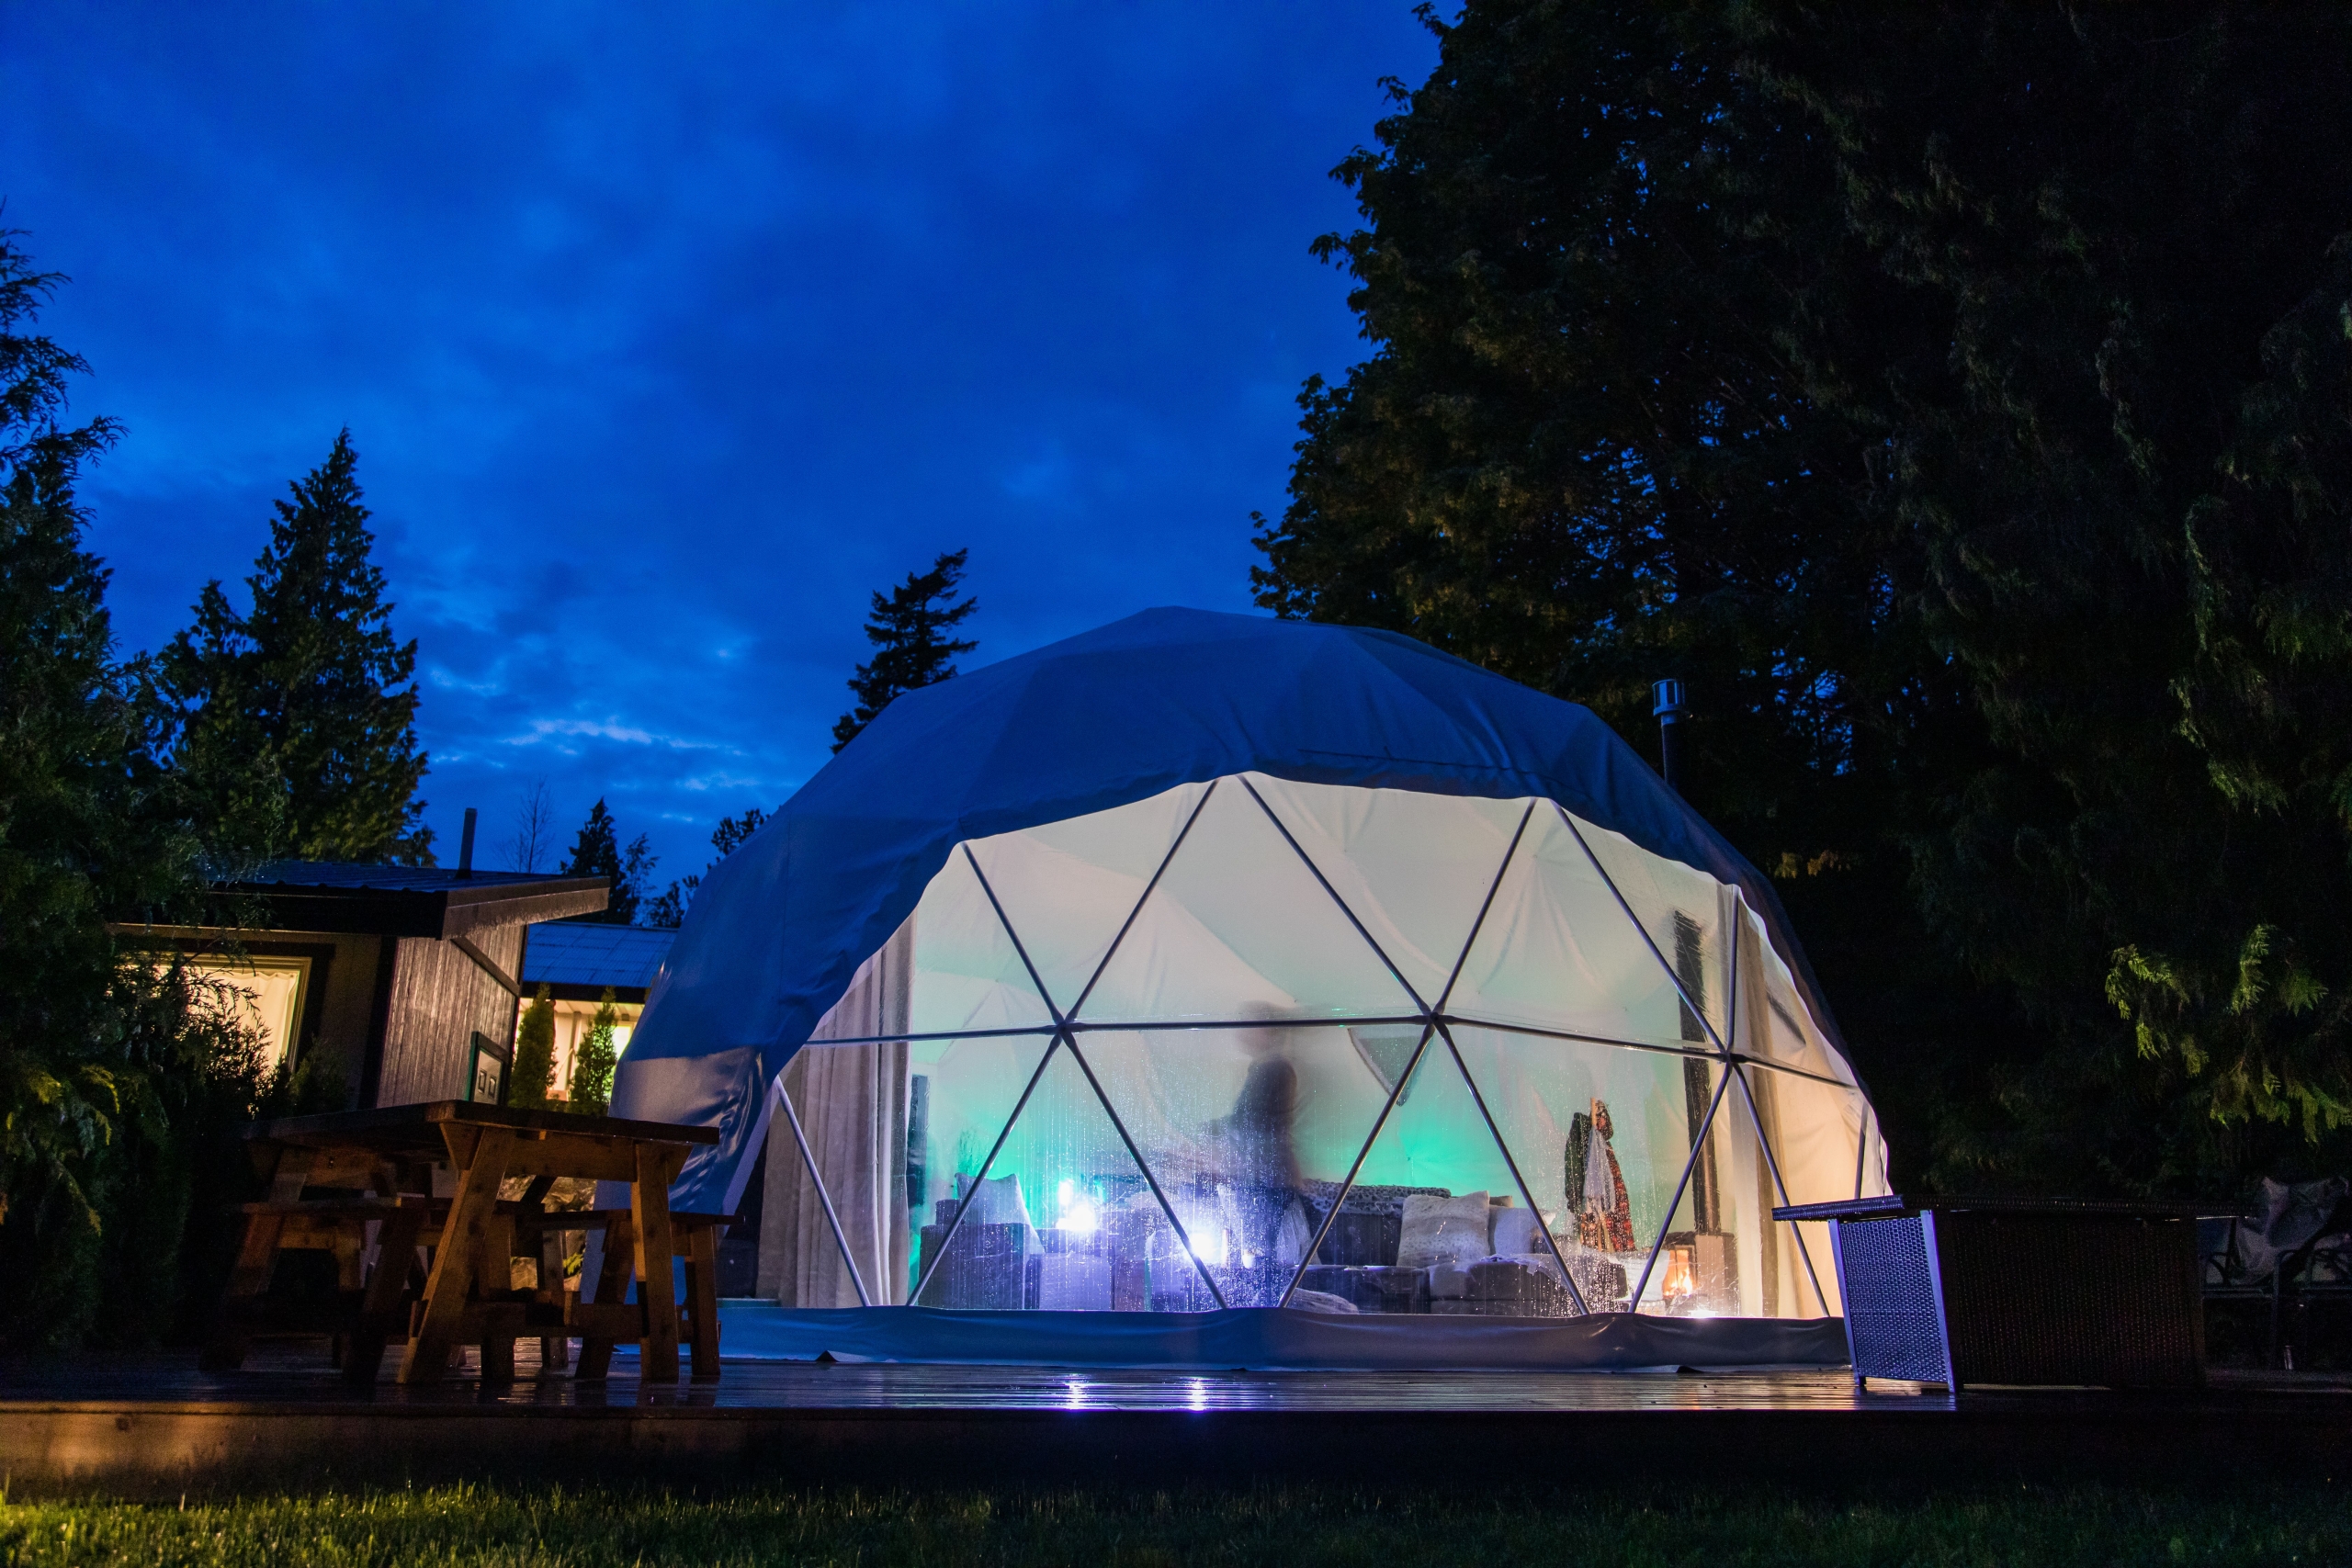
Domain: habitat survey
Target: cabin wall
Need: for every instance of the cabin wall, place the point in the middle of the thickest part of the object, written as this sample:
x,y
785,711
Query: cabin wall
x,y
440,998
504,946
339,1014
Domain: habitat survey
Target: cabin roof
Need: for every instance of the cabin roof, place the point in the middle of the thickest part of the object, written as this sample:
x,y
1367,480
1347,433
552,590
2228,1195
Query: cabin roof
x,y
588,956
399,900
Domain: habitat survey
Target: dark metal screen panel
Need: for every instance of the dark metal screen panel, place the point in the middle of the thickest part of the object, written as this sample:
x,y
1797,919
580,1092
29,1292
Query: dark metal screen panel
x,y
1894,1300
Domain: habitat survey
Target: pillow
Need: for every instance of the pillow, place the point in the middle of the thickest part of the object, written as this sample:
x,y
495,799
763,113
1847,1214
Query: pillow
x,y
1517,1231
1442,1230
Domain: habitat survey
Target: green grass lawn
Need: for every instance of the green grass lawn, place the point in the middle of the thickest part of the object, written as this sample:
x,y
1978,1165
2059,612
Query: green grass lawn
x,y
1295,1526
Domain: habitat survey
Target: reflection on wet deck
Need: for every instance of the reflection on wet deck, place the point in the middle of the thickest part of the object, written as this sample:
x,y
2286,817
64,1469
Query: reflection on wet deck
x,y
295,1374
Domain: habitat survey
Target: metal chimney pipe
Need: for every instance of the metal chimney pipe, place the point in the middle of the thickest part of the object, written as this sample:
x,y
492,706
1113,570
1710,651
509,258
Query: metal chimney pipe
x,y
466,848
1668,709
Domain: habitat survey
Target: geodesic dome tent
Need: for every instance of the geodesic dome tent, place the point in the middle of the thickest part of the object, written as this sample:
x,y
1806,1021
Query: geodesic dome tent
x,y
1206,962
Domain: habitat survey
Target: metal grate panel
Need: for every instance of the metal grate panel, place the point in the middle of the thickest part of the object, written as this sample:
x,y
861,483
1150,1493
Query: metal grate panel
x,y
1893,1315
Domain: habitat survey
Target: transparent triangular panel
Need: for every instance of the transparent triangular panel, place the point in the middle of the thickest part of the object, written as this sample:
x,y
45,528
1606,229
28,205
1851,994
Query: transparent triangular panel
x,y
850,1104
967,973
1556,951
1414,867
1064,1220
1249,1132
1069,886
1772,1020
1238,928
960,1094
1687,914
1559,1102
1417,1233
1816,1135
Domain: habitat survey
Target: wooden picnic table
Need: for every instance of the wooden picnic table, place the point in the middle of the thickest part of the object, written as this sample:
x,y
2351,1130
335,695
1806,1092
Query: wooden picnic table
x,y
378,1166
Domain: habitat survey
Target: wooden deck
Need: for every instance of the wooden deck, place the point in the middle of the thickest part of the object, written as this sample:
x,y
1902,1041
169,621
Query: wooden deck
x,y
156,1426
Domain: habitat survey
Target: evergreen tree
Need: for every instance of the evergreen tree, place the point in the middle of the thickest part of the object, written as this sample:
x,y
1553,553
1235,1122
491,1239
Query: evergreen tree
x,y
732,833
534,1072
597,852
1953,397
298,732
2255,995
109,1065
913,645
2107,431
591,1089
1580,455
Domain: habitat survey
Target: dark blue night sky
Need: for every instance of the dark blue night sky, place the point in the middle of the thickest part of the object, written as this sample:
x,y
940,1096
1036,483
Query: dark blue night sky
x,y
667,332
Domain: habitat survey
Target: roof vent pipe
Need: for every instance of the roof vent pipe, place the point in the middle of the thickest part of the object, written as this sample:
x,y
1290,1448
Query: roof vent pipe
x,y
466,848
1668,709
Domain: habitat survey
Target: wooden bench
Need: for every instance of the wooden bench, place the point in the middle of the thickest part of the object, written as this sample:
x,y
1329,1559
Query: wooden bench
x,y
465,1296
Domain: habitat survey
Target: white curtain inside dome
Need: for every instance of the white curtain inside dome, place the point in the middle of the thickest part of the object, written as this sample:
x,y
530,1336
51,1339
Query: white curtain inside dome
x,y
1153,1059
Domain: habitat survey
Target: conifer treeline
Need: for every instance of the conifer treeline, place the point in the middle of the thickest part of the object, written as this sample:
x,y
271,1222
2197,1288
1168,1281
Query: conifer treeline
x,y
121,1081
280,726
295,720
1956,398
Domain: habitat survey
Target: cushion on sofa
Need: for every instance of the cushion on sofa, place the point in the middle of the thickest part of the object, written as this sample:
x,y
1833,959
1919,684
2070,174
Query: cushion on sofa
x,y
1449,1230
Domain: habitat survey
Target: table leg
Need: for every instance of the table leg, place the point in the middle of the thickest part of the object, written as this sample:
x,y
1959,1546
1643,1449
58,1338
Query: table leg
x,y
385,1307
612,1285
497,1354
494,1275
257,1261
555,1349
462,1236
649,1198
248,1283
702,1299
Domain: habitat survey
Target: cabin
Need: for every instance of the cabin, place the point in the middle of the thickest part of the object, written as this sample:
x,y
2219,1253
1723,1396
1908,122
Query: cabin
x,y
399,983
579,962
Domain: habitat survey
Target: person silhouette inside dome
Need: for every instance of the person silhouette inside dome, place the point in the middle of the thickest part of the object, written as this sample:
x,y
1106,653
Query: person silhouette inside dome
x,y
1252,1149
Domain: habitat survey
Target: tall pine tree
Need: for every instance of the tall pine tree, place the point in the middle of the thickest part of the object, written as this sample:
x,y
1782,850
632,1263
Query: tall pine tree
x,y
1955,397
298,715
590,1092
107,1067
597,850
910,631
533,1073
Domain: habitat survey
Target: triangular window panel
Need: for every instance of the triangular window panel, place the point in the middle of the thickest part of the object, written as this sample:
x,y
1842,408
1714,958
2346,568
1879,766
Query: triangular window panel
x,y
1415,868
1437,1223
960,1094
1248,1132
1772,1020
967,973
849,1102
1063,1221
1556,951
1238,928
1581,1121
1686,913
1069,886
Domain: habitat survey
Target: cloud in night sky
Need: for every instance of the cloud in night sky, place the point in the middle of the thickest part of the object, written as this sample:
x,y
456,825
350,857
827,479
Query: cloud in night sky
x,y
667,333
